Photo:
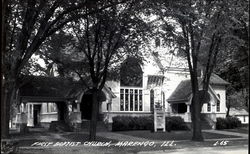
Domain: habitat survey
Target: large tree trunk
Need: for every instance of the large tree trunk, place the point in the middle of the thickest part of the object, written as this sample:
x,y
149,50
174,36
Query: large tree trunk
x,y
93,122
196,118
4,114
8,91
4,100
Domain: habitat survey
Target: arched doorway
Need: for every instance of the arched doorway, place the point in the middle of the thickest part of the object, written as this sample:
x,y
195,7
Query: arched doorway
x,y
86,104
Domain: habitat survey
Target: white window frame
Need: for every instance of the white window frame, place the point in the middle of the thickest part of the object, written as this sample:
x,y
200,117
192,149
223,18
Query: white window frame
x,y
138,96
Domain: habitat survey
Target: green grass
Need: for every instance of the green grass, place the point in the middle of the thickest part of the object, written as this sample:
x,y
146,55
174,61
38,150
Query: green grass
x,y
173,135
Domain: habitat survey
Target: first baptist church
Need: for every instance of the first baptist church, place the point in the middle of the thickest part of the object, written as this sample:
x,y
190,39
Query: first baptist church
x,y
161,80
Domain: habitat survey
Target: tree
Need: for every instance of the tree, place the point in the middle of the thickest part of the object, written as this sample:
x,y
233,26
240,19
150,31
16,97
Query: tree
x,y
29,23
96,49
103,45
200,30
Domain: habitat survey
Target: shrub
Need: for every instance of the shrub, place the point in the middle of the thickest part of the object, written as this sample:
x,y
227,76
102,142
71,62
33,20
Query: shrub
x,y
221,123
233,122
228,123
132,123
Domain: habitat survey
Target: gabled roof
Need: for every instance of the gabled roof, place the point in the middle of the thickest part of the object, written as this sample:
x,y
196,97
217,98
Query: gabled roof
x,y
183,90
42,88
234,112
50,87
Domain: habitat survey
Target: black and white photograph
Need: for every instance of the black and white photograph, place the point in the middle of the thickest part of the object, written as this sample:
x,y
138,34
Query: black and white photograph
x,y
124,76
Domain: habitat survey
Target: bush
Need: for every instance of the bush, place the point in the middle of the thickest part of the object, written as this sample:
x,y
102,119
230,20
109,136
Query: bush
x,y
228,123
146,123
221,123
175,123
132,123
233,122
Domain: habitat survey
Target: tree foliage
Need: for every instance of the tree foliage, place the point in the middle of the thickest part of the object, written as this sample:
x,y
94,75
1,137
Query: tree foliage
x,y
200,29
28,24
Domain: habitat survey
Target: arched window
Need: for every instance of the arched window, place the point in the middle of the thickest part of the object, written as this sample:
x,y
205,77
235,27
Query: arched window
x,y
152,100
131,73
218,104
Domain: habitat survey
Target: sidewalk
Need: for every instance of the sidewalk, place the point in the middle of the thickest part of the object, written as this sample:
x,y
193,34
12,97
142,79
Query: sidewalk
x,y
206,150
242,135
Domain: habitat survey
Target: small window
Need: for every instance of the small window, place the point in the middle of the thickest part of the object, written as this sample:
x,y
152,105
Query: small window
x,y
209,107
122,100
218,104
152,100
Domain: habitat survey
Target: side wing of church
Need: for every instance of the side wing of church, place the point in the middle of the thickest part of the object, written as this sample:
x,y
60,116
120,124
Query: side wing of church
x,y
152,84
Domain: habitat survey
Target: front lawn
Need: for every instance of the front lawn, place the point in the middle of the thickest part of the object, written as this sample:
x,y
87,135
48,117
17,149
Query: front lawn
x,y
173,135
79,137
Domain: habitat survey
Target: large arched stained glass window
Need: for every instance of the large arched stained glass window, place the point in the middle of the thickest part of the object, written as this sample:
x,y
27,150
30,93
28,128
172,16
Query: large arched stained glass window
x,y
131,73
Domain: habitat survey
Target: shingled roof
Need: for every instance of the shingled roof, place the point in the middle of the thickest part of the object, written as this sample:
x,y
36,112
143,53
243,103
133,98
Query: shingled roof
x,y
50,87
183,90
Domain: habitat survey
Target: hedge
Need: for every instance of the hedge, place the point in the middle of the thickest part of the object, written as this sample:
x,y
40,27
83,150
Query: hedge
x,y
121,123
228,123
132,123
